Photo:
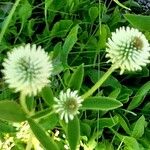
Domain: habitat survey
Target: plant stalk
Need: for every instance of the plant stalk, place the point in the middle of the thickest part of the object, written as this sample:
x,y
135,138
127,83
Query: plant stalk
x,y
99,82
23,103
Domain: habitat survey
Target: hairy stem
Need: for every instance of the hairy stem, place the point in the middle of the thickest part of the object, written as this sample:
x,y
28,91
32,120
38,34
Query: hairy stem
x,y
23,103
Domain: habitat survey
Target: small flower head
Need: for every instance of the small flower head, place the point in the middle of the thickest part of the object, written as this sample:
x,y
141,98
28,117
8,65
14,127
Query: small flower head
x,y
27,69
68,104
128,49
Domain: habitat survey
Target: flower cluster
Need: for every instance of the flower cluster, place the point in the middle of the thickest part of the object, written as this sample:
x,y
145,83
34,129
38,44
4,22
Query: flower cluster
x,y
27,69
7,143
128,49
68,104
25,135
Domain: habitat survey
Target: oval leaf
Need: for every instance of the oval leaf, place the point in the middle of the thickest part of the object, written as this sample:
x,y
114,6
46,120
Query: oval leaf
x,y
101,103
73,133
139,97
41,135
69,43
107,122
93,13
47,95
138,129
77,78
11,111
131,143
61,28
139,21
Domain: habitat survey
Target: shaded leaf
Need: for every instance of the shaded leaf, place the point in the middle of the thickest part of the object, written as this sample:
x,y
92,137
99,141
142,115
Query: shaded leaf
x,y
47,95
49,122
107,122
11,111
61,28
96,74
124,123
6,128
69,43
93,13
139,96
77,78
41,135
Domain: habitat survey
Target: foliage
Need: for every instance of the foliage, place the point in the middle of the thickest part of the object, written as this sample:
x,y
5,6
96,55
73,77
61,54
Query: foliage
x,y
74,34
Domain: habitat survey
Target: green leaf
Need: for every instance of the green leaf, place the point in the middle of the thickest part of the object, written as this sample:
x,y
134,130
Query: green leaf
x,y
73,133
85,129
77,78
107,122
42,113
103,33
69,43
139,96
100,103
57,49
25,11
125,94
124,123
116,17
114,93
93,13
47,4
6,128
66,77
30,27
61,28
139,21
94,75
11,111
41,135
105,145
47,95
49,122
131,143
138,129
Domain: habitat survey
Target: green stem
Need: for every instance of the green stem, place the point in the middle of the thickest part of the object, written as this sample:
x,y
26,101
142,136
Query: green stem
x,y
23,103
99,82
8,19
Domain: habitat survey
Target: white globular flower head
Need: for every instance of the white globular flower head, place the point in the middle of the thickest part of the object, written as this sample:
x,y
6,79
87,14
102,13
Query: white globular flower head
x,y
68,104
27,69
128,49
